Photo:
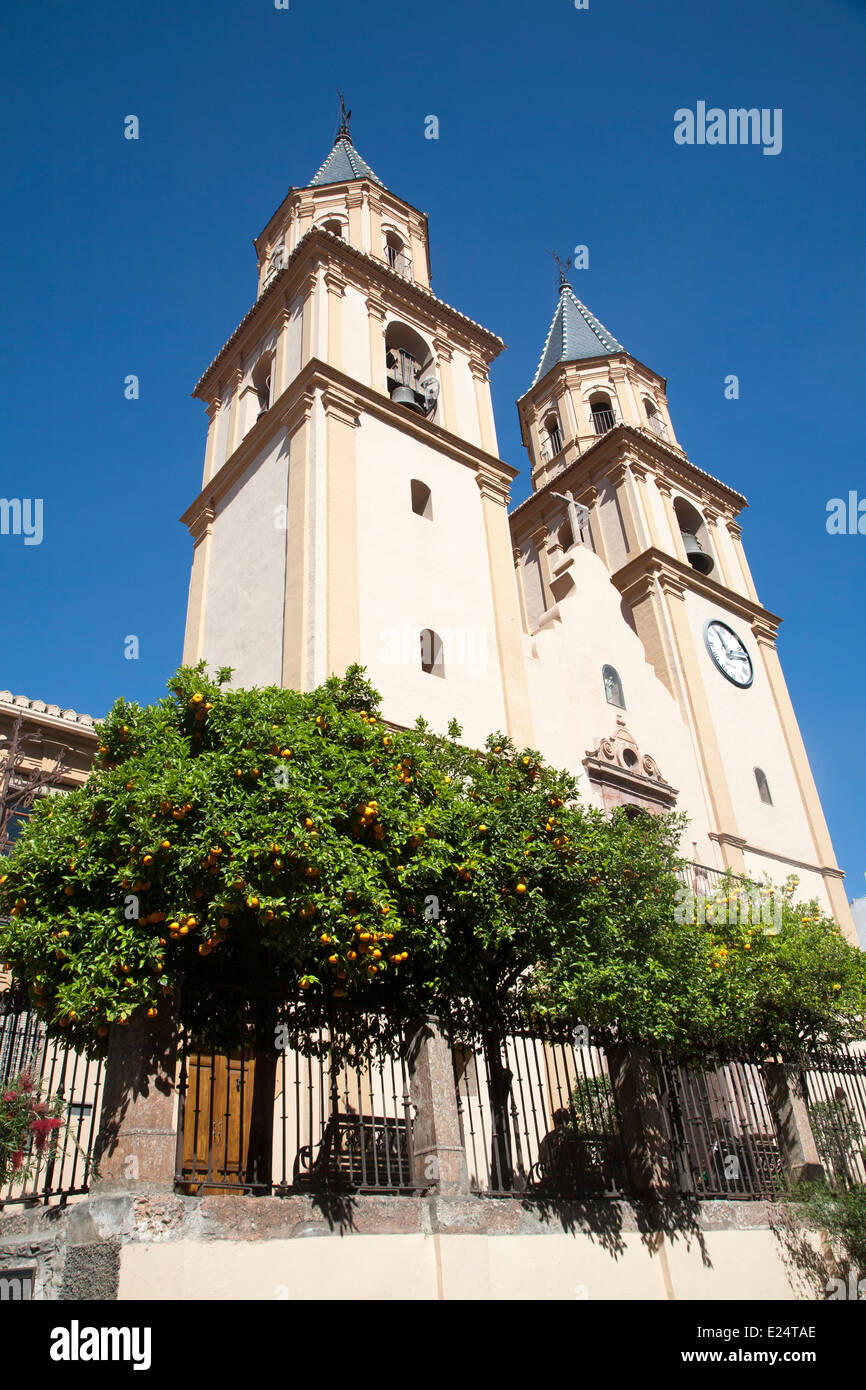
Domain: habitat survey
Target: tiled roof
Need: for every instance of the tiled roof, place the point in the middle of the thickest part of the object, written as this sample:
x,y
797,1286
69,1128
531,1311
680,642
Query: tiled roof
x,y
22,702
343,165
574,334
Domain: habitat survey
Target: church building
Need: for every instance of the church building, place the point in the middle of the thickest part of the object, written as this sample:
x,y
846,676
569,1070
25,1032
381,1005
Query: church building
x,y
354,508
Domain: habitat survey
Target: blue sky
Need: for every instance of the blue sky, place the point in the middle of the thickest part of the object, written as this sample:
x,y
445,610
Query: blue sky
x,y
556,129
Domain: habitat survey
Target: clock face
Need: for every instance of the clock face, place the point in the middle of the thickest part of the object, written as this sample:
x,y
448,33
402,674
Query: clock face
x,y
729,654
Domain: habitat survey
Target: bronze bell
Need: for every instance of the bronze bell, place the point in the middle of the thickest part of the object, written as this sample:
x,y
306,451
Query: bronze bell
x,y
696,555
404,395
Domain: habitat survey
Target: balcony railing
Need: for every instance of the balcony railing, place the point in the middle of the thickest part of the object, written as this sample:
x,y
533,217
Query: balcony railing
x,y
550,447
603,420
401,263
658,426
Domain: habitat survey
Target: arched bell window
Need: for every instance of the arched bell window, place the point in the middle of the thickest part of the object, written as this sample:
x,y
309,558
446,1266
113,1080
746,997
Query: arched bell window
x,y
694,533
612,687
263,381
603,415
554,433
410,375
763,786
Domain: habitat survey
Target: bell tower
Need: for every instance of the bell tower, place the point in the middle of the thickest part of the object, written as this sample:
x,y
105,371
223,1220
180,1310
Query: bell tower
x,y
610,476
353,505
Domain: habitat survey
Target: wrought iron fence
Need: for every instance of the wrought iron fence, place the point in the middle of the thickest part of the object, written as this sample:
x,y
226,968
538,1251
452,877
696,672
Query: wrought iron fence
x,y
834,1084
720,1132
65,1170
300,1117
538,1112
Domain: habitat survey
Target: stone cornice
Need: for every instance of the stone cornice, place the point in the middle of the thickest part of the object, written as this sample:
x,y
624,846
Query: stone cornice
x,y
826,870
678,577
342,392
320,247
304,197
648,453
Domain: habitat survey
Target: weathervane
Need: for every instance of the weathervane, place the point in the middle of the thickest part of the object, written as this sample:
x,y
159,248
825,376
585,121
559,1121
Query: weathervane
x,y
346,116
562,268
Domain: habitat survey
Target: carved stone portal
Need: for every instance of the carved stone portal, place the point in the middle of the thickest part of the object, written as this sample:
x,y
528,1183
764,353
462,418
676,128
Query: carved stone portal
x,y
627,777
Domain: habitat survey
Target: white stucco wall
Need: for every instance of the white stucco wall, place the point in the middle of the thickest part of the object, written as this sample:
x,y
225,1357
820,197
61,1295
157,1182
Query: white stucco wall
x,y
415,574
569,709
749,735
243,621
574,1268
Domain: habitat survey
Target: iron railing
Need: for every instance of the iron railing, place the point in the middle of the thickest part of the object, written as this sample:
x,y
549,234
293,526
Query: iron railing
x,y
538,1113
55,1069
720,1132
551,445
304,1117
603,420
657,425
834,1084
400,262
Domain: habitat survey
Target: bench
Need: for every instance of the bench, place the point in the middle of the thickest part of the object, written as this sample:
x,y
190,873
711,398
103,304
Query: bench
x,y
357,1152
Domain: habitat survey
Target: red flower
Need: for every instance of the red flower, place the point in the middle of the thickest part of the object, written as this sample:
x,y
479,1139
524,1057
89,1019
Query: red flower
x,y
10,1097
17,1160
41,1129
25,1081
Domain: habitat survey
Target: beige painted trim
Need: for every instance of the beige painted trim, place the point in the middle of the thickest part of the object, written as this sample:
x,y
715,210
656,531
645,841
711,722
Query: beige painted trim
x,y
376,240
294,663
521,593
765,639
344,622
376,314
735,532
639,473
712,522
280,353
336,287
486,426
212,411
618,474
539,538
196,603
235,434
506,610
308,329
444,356
355,205
701,721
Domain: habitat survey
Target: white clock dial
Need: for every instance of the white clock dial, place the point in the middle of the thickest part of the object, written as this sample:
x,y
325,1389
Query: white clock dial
x,y
728,652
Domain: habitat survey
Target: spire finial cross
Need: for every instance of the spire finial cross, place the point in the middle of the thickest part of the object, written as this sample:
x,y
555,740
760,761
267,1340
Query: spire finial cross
x,y
345,117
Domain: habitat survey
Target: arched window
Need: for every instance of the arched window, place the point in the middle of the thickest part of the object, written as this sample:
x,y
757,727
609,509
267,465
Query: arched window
x,y
422,499
409,369
654,419
694,533
612,687
763,786
263,381
554,434
397,256
432,657
603,417
333,225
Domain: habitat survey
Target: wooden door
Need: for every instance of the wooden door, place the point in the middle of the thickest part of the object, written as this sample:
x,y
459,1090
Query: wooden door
x,y
216,1129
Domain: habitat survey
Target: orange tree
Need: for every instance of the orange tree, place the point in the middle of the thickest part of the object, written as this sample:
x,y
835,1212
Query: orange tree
x,y
272,840
257,842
